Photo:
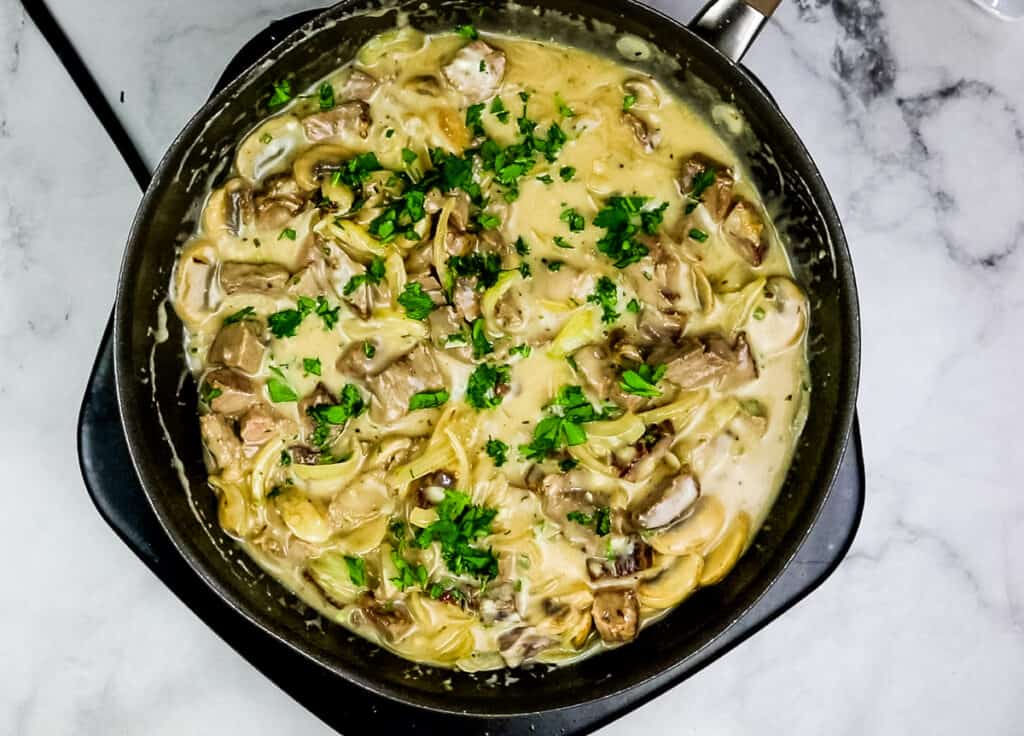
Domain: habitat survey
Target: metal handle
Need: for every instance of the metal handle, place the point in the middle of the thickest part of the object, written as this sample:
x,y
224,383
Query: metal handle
x,y
732,25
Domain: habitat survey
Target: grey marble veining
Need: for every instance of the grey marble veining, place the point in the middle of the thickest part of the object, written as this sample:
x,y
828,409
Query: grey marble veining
x,y
914,111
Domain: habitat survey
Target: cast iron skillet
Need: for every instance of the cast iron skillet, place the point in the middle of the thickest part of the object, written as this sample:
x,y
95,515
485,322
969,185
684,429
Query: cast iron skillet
x,y
159,414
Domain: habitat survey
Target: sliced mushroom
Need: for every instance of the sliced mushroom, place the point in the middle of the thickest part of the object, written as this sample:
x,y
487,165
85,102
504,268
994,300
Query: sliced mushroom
x,y
669,502
393,621
718,195
220,441
695,532
476,71
522,644
193,276
649,139
268,148
348,120
744,230
616,615
674,583
652,449
238,345
252,278
594,365
779,318
237,393
279,201
637,557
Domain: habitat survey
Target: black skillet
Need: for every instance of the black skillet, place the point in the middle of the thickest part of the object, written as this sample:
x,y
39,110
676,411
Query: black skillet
x,y
157,415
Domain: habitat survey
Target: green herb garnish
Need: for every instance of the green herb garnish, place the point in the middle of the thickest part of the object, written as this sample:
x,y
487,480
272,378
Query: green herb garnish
x,y
311,366
408,574
484,389
281,95
699,235
416,302
373,275
521,350
628,101
562,242
326,96
606,295
633,306
474,120
498,451
642,381
624,218
356,570
287,234
567,173
573,219
241,315
350,405
478,336
428,399
278,388
459,525
468,32
499,110
568,411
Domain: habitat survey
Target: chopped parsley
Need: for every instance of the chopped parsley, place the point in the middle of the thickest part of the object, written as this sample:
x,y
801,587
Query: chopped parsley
x,y
499,110
373,275
522,248
350,405
562,242
498,452
573,219
524,270
286,458
287,234
281,95
633,307
606,296
487,221
478,336
356,570
369,349
568,411
628,101
699,235
758,313
546,179
278,388
701,182
468,32
624,218
522,350
409,575
554,265
311,366
568,463
356,170
326,96
241,315
208,393
567,173
459,525
285,322
601,520
474,120
266,138
484,267
485,389
643,381
563,109
409,156
416,302
428,399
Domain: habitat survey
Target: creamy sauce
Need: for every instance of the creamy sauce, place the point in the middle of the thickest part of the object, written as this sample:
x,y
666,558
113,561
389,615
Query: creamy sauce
x,y
355,381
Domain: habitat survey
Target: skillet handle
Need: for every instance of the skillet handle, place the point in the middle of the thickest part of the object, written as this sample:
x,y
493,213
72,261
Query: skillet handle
x,y
732,25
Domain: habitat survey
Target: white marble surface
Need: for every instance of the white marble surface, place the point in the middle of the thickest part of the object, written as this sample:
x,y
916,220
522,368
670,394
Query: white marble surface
x,y
914,110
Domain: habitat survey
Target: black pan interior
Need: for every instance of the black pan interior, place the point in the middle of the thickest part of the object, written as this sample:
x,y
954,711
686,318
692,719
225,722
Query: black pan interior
x,y
783,171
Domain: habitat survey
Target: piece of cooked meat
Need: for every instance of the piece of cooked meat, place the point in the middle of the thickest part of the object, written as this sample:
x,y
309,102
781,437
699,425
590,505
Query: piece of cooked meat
x,y
257,425
279,201
476,71
522,644
239,346
711,360
347,120
358,86
220,441
616,614
393,388
237,393
594,365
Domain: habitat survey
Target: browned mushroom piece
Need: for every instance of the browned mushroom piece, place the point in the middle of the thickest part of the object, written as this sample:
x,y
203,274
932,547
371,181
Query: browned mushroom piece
x,y
236,392
711,360
649,139
279,201
616,615
349,119
220,441
252,278
195,274
393,621
744,230
257,425
594,365
393,388
358,86
668,502
638,557
239,346
651,450
522,644
716,196
476,71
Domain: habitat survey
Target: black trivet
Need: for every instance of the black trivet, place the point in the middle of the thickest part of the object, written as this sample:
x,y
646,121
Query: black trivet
x,y
114,488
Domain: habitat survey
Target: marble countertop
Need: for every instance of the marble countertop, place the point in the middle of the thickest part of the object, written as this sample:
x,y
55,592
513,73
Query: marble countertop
x,y
915,114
